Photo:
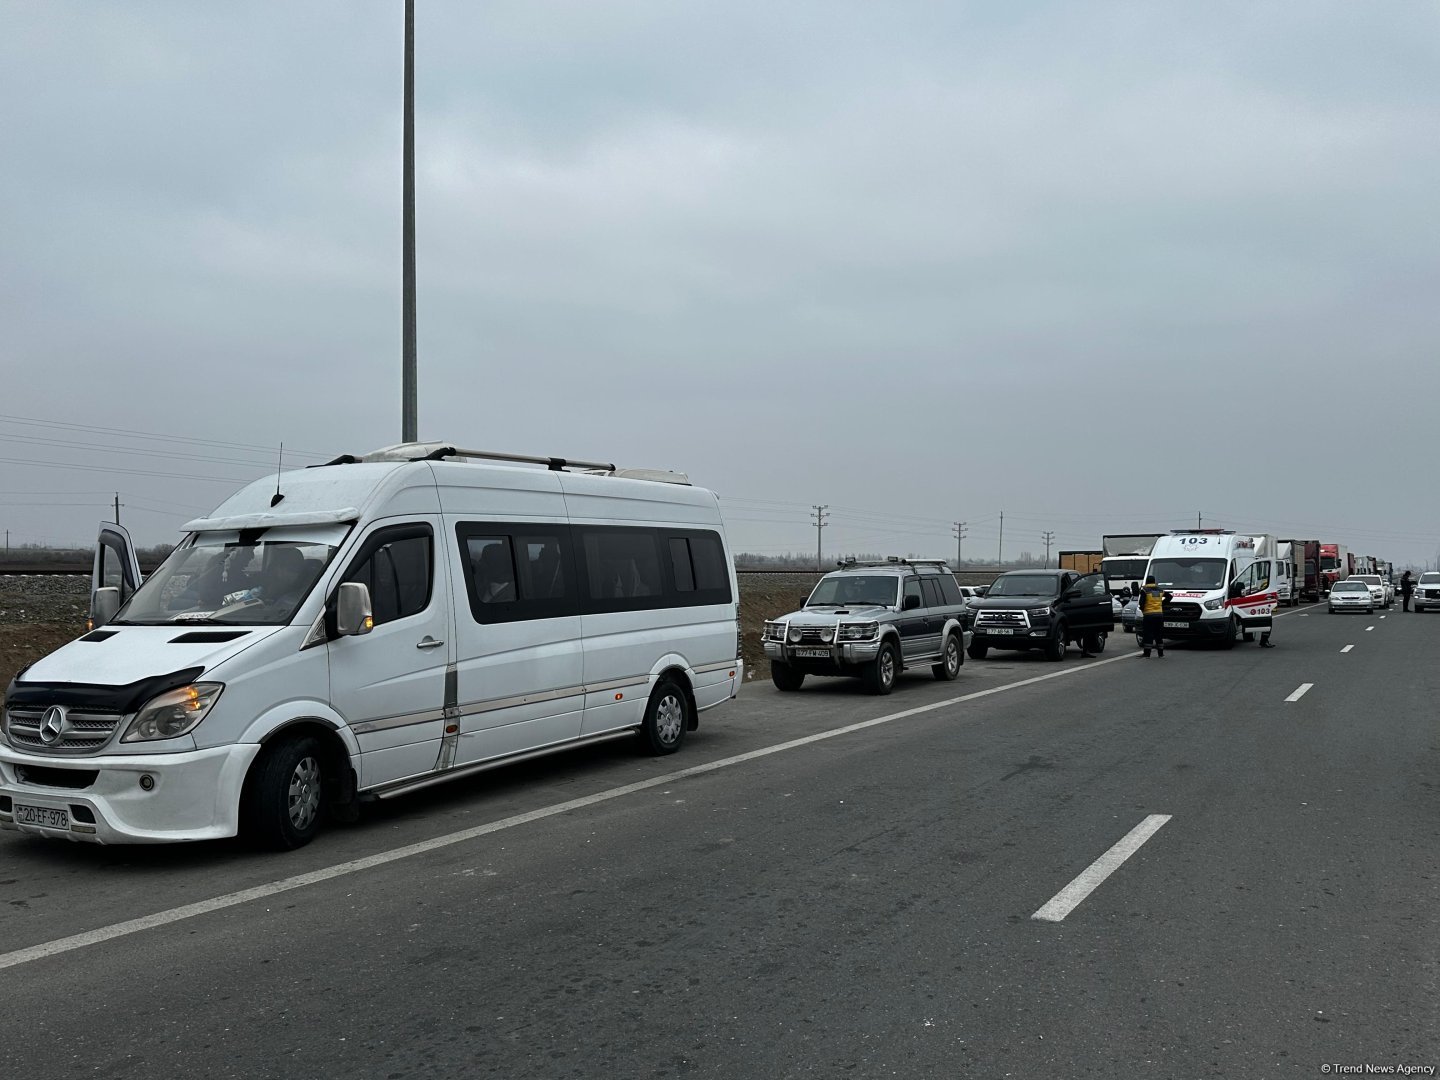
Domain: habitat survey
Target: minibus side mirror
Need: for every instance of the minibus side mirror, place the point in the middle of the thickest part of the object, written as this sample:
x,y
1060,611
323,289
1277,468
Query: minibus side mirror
x,y
1237,589
103,605
353,613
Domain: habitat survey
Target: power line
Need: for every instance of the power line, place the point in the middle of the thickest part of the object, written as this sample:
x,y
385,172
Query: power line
x,y
91,429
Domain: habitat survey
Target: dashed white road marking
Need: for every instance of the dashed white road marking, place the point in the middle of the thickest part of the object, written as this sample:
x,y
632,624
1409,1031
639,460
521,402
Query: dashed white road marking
x,y
1090,879
381,858
1298,694
1347,648
1369,628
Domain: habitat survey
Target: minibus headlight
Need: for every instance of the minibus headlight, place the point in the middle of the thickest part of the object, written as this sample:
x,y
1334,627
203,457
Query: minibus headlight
x,y
1214,605
174,713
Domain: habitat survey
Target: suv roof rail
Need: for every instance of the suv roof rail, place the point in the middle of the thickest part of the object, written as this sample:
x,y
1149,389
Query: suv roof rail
x,y
434,451
890,560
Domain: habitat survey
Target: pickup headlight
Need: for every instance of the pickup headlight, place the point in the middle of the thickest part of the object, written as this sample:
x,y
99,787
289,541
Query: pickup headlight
x,y
859,631
774,631
1214,605
174,713
1039,611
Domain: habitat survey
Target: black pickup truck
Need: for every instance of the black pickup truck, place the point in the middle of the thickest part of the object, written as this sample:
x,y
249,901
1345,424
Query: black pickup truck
x,y
1041,609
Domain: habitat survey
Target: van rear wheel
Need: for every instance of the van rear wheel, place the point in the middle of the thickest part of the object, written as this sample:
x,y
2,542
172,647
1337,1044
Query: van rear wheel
x,y
667,718
282,807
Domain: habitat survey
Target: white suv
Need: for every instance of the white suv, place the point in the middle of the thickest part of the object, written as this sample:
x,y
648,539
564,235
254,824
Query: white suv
x,y
1427,592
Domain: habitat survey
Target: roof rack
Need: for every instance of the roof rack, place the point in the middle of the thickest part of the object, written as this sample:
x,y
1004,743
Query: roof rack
x,y
434,451
852,563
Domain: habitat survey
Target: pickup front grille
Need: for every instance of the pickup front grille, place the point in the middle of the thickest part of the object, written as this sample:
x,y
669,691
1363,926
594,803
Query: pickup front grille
x,y
84,732
998,619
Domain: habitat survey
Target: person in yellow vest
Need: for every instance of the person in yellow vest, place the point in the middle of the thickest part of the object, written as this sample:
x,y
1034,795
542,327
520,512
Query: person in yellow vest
x,y
1152,616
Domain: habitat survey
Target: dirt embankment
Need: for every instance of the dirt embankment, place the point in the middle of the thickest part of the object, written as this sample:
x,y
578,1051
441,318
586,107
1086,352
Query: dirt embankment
x,y
37,616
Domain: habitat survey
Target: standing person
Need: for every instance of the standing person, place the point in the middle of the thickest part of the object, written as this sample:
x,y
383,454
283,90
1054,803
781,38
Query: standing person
x,y
1152,616
1407,589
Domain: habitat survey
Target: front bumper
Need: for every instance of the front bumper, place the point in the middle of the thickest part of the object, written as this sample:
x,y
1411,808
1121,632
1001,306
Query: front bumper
x,y
1196,628
195,795
840,654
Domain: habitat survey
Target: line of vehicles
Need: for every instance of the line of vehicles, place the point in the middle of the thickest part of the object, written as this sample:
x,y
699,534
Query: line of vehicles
x,y
379,624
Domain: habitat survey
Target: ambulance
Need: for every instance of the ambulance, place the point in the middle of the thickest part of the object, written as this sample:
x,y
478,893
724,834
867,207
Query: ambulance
x,y
1223,585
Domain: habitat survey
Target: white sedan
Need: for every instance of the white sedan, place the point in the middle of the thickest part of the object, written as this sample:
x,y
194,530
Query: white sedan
x,y
1351,594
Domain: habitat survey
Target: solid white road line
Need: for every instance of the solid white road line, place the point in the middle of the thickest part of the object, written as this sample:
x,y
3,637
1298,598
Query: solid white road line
x,y
1298,694
259,892
1347,648
1090,879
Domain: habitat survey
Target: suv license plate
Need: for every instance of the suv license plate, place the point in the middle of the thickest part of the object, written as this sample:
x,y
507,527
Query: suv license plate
x,y
44,816
815,654
1177,626
999,630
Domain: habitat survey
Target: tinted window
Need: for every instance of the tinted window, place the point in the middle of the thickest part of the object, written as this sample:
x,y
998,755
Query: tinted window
x,y
516,572
933,596
622,564
912,588
492,569
711,573
681,565
949,591
1092,585
397,569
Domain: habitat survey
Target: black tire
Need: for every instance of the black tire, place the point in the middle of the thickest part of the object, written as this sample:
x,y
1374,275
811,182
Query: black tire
x,y
786,677
977,651
1055,645
948,670
283,803
880,675
667,719
1232,634
1095,641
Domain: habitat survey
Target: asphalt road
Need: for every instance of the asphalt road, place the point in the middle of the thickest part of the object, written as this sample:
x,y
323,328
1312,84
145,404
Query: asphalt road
x,y
860,902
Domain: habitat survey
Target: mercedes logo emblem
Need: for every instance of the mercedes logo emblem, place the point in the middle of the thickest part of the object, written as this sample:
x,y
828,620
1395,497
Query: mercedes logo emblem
x,y
52,725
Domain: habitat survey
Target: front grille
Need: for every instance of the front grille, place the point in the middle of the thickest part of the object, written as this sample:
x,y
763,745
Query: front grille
x,y
85,732
1002,618
1431,594
810,635
1183,610
45,776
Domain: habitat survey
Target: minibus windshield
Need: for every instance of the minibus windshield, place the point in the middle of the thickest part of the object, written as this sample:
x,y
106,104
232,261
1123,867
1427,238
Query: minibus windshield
x,y
234,578
1192,575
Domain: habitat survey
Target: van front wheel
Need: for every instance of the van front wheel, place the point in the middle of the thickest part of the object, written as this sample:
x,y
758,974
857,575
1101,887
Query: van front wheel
x,y
667,718
283,804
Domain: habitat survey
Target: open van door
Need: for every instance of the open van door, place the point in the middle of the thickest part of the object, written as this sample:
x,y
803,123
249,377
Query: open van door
x,y
117,568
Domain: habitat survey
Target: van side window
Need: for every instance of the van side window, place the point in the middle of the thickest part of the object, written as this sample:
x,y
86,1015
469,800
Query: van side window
x,y
623,564
680,563
515,572
711,573
396,564
492,569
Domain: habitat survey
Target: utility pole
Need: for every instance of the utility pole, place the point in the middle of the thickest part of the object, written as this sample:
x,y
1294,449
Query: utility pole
x,y
821,515
1198,526
1048,536
409,423
959,532
1000,555
117,508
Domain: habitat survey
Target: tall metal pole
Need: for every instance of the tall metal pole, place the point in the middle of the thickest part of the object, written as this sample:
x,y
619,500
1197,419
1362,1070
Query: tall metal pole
x,y
117,508
1048,536
959,544
1000,555
820,517
410,421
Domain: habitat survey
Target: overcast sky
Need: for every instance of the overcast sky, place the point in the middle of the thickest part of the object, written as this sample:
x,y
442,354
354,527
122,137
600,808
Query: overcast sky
x,y
1099,266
